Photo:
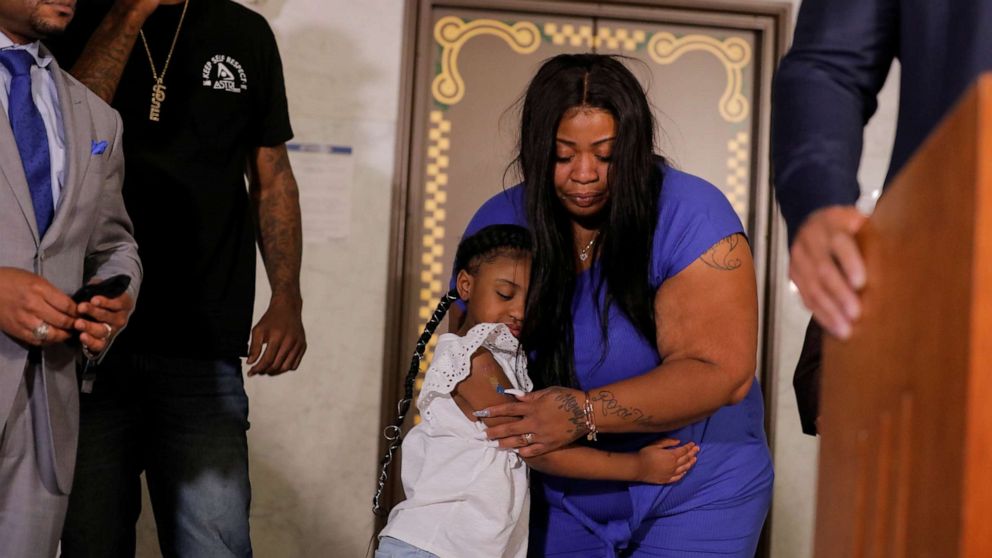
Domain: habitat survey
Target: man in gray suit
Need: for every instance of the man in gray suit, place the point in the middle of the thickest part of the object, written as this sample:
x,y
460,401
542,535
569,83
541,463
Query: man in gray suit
x,y
62,224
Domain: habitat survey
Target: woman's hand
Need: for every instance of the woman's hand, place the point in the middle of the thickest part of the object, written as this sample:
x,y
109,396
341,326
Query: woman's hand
x,y
549,419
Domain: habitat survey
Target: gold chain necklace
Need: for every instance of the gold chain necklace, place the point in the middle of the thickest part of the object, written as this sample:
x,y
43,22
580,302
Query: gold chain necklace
x,y
158,88
584,252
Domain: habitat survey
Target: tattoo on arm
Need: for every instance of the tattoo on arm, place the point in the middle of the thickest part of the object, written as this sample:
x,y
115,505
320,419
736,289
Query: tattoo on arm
x,y
277,204
721,255
568,403
609,405
102,62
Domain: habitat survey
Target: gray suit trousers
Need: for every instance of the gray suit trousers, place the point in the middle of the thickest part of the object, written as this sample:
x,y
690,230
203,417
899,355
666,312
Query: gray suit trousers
x,y
32,509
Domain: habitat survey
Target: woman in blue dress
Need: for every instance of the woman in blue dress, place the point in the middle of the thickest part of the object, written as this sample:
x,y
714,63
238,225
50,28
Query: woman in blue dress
x,y
641,323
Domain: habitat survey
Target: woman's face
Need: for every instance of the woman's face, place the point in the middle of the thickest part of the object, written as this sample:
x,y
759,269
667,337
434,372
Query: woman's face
x,y
583,150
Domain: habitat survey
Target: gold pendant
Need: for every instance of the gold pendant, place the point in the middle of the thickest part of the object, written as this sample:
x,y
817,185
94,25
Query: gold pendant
x,y
158,96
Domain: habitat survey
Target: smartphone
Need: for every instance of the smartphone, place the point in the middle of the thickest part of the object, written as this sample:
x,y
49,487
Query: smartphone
x,y
112,287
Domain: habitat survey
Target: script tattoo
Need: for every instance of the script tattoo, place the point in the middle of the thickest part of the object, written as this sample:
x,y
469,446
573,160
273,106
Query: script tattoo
x,y
721,255
568,403
610,406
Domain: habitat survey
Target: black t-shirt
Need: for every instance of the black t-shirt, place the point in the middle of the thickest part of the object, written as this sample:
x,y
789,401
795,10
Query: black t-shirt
x,y
184,184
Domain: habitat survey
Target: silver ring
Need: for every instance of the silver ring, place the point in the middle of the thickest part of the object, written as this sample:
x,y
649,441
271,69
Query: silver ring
x,y
528,438
40,332
90,355
110,329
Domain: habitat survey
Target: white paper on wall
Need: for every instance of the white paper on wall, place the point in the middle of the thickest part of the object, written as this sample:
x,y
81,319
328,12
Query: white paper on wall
x,y
324,174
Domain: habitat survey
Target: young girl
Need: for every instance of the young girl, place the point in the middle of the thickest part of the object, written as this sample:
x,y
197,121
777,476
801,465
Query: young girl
x,y
465,496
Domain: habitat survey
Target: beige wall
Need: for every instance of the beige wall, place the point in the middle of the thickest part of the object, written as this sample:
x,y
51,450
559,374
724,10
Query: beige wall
x,y
314,434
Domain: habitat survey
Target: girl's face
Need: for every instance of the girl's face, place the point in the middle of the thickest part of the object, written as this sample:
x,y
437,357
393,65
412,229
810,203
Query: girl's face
x,y
496,292
583,149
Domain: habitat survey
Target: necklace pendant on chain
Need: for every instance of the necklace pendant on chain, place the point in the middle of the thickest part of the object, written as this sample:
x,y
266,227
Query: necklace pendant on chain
x,y
585,250
158,96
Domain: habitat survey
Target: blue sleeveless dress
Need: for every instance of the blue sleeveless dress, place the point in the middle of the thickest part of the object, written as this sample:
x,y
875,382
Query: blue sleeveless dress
x,y
718,509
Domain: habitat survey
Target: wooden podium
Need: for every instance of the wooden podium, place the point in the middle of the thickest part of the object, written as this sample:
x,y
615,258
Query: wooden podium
x,y
906,451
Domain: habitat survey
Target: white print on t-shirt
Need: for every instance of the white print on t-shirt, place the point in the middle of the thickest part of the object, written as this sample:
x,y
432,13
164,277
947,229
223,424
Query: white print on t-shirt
x,y
224,73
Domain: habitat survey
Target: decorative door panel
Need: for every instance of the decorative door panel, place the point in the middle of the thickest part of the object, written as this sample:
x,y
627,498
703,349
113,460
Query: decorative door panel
x,y
482,62
700,81
707,71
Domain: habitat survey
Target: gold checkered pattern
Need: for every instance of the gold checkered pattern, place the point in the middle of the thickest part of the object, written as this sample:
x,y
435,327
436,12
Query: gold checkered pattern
x,y
619,39
738,170
432,282
432,286
606,37
569,34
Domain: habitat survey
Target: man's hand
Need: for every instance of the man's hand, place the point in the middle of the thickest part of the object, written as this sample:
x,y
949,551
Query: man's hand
x,y
281,331
29,304
100,319
826,265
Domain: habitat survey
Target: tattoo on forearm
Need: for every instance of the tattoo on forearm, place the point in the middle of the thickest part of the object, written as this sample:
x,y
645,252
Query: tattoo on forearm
x,y
609,405
568,403
721,255
277,203
102,62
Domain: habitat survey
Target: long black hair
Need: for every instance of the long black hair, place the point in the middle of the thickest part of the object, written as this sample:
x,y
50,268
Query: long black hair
x,y
563,83
482,247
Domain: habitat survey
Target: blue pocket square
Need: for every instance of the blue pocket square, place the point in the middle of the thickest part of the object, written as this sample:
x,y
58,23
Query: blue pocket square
x,y
98,147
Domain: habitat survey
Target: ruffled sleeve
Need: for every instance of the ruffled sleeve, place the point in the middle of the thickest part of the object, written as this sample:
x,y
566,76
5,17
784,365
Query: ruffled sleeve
x,y
453,362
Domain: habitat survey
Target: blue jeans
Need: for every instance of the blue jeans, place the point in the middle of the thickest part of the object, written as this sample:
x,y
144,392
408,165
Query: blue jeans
x,y
395,548
184,423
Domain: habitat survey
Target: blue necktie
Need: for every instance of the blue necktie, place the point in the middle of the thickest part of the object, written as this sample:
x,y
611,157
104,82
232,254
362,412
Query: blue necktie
x,y
29,133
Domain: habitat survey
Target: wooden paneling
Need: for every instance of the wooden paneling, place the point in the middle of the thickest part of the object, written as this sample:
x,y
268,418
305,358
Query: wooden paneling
x,y
905,457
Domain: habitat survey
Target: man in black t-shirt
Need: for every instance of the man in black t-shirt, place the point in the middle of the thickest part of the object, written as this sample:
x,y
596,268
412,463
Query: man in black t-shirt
x,y
200,88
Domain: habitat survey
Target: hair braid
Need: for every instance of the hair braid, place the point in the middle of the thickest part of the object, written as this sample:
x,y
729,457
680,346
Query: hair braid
x,y
394,432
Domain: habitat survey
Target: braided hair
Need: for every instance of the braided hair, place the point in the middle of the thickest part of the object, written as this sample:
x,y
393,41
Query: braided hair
x,y
480,248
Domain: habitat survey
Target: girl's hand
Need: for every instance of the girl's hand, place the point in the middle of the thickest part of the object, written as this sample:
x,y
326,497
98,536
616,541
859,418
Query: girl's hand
x,y
661,462
549,419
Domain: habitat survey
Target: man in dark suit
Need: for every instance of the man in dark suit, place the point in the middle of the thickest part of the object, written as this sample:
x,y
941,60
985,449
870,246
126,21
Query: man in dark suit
x,y
62,224
824,93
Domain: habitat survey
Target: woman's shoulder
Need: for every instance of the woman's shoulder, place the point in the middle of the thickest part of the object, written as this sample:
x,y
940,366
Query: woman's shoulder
x,y
681,191
693,215
503,208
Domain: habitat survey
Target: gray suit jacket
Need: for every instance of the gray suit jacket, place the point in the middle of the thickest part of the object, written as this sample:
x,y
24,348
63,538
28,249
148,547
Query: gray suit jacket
x,y
90,236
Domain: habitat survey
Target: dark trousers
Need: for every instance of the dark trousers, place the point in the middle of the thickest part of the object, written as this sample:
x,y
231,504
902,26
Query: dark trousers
x,y
184,423
806,379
